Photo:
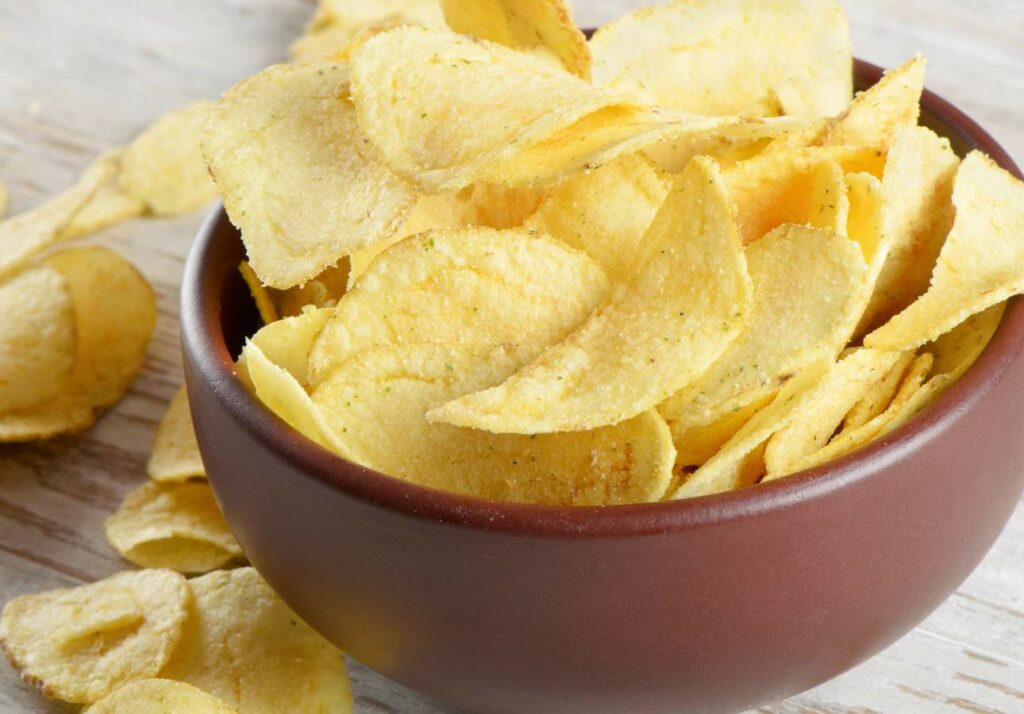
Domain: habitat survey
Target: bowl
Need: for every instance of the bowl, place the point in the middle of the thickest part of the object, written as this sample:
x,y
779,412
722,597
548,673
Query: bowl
x,y
713,604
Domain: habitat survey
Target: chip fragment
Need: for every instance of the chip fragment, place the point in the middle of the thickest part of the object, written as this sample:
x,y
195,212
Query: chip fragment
x,y
79,644
159,696
175,453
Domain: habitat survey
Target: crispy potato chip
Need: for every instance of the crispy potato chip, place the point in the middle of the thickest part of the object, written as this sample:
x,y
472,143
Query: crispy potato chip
x,y
176,526
159,696
725,57
322,291
288,137
260,295
24,236
981,262
474,285
498,206
879,395
376,404
175,453
245,646
529,25
829,207
115,312
832,398
163,166
79,644
874,115
808,290
683,302
37,337
696,444
866,220
107,207
739,143
605,212
958,349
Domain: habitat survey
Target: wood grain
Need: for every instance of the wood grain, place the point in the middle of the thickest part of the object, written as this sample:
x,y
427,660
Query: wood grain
x,y
78,79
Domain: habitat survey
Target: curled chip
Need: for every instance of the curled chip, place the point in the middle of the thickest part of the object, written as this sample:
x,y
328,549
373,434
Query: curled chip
x,y
260,295
246,647
809,288
376,403
541,26
879,395
725,57
24,236
469,285
176,526
981,263
109,206
605,212
115,312
37,338
288,137
159,696
682,303
79,644
163,166
175,453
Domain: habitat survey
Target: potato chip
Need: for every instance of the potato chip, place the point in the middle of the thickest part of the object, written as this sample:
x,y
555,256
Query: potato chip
x,y
497,206
324,42
107,207
37,337
726,57
696,444
243,645
175,525
981,262
288,137
958,349
159,696
24,236
605,212
466,285
829,207
866,220
874,115
879,395
832,398
115,312
683,302
322,291
376,403
529,25
735,144
808,290
260,295
79,644
163,166
175,453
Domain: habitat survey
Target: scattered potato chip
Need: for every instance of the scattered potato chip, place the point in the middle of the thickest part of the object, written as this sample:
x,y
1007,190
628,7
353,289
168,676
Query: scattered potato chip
x,y
163,166
37,337
115,312
683,302
159,696
176,526
874,115
542,26
243,645
260,295
376,402
726,57
605,212
175,453
288,137
109,206
24,236
981,262
475,285
809,287
879,395
322,291
79,644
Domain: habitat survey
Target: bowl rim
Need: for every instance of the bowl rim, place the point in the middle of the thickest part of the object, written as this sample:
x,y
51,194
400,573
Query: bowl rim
x,y
210,363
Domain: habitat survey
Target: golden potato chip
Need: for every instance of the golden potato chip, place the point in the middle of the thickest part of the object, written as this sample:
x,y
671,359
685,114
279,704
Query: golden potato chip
x,y
529,25
605,212
115,312
683,302
879,396
958,349
159,696
841,388
322,291
24,236
874,115
107,207
809,288
981,262
175,453
696,444
497,206
260,295
163,166
866,220
287,342
243,645
37,337
176,526
726,57
474,285
735,144
829,207
376,403
288,137
79,644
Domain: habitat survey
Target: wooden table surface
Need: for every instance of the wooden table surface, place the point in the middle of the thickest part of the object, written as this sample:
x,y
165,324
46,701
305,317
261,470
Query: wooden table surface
x,y
78,78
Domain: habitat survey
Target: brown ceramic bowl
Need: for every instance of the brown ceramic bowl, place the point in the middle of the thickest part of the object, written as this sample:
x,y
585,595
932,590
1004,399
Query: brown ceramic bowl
x,y
708,605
